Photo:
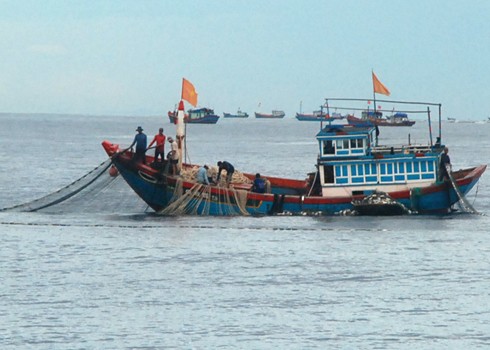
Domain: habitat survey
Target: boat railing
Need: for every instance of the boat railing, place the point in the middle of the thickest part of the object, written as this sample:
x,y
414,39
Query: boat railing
x,y
407,149
327,105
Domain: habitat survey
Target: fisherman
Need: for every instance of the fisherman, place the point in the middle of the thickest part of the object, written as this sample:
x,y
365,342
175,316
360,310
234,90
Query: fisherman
x,y
202,175
140,141
230,169
174,156
444,164
259,184
159,139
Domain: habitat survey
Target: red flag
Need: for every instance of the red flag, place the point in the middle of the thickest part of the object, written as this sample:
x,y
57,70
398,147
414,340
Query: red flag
x,y
379,87
188,92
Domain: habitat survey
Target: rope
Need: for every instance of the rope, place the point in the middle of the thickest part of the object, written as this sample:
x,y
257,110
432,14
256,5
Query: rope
x,y
465,205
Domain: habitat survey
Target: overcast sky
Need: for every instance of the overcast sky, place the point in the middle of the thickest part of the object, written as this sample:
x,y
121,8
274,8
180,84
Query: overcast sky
x,y
129,57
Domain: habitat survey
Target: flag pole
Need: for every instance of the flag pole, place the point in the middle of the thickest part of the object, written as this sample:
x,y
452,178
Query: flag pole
x,y
182,90
374,95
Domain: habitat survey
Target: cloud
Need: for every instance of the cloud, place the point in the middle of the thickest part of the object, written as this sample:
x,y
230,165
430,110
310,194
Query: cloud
x,y
46,49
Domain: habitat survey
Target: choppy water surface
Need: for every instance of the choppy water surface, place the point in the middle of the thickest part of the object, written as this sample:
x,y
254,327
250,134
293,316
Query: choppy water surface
x,y
106,273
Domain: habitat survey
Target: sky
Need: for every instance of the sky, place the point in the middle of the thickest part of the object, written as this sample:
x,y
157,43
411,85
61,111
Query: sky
x,y
129,57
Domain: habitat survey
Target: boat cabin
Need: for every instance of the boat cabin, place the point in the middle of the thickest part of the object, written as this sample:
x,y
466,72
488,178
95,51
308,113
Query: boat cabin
x,y
352,163
367,115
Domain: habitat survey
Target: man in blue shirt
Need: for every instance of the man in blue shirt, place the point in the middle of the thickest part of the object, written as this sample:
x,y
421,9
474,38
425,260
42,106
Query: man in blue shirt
x,y
202,175
140,141
259,184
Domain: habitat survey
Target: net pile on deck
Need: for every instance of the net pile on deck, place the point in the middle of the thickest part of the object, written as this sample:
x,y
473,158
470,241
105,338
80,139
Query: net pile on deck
x,y
196,201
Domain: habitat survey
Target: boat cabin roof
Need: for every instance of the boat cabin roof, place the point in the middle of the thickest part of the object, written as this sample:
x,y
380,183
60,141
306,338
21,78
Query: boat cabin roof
x,y
342,130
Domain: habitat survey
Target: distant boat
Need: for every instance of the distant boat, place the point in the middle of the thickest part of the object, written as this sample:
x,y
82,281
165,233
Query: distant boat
x,y
239,114
371,118
196,116
318,116
451,120
274,114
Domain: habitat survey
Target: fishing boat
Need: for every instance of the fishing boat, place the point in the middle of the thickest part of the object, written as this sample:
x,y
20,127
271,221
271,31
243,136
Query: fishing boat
x,y
274,114
370,117
318,116
238,114
196,116
350,166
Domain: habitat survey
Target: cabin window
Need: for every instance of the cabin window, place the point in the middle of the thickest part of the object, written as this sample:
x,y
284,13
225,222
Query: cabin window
x,y
328,147
357,143
431,166
409,167
341,174
423,166
416,167
401,168
340,144
346,144
390,168
382,169
328,174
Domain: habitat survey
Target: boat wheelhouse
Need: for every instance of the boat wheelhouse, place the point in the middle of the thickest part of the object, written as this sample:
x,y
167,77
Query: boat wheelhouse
x,y
350,163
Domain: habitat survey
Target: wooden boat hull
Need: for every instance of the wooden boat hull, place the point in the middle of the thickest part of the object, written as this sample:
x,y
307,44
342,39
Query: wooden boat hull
x,y
288,195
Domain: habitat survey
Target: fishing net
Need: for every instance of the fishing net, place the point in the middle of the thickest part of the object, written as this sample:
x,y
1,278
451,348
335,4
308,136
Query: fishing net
x,y
197,201
94,192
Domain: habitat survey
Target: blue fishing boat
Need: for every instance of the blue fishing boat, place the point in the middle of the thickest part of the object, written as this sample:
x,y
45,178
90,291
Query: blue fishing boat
x,y
196,116
351,165
238,114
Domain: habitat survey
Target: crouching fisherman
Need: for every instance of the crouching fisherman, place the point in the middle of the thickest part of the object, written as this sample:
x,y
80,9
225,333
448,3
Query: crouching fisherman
x,y
202,175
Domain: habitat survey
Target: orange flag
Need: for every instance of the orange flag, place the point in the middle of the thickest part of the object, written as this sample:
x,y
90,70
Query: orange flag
x,y
379,87
188,92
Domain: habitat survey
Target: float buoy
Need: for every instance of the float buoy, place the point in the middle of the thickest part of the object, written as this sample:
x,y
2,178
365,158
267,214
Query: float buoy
x,y
113,171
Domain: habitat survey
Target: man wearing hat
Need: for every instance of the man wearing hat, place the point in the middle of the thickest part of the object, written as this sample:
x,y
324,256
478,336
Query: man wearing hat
x,y
140,142
174,156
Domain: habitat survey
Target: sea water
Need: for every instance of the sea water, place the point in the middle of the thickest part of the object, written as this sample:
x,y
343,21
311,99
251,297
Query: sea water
x,y
108,273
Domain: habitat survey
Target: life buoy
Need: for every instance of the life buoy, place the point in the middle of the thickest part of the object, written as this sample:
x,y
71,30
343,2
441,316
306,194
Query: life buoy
x,y
113,171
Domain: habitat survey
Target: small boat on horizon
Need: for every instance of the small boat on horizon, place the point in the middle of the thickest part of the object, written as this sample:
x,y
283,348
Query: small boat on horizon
x,y
196,116
369,117
274,114
318,116
238,114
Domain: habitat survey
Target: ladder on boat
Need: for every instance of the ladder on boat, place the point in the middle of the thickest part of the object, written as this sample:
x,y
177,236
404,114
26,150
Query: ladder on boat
x,y
465,205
